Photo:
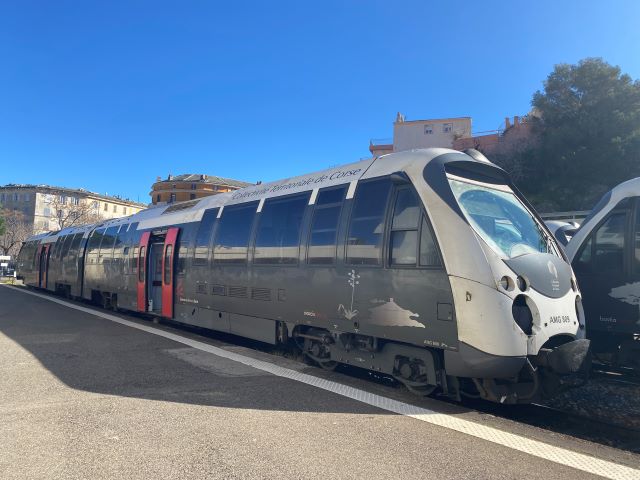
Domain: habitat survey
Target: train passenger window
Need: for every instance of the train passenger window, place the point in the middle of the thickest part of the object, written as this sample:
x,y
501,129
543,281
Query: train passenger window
x,y
608,253
636,240
55,249
324,226
94,244
168,251
74,247
404,228
429,256
201,250
119,241
64,250
278,234
232,238
367,222
106,246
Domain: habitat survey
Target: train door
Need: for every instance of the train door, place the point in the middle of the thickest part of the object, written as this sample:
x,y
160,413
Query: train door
x,y
168,271
141,265
603,268
155,277
43,265
156,272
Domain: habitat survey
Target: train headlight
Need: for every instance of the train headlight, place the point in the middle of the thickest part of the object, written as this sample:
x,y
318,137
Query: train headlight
x,y
506,283
522,283
522,314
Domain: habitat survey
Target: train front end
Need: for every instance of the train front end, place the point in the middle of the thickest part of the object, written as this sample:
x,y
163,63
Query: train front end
x,y
518,308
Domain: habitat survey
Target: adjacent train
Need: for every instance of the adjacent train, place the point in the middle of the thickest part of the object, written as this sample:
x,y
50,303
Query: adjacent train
x,y
426,265
605,254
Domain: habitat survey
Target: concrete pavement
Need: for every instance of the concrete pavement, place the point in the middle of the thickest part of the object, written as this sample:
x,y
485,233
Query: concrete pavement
x,y
83,397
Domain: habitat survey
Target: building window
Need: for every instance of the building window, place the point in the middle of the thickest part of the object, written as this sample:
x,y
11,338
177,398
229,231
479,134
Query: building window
x,y
428,129
15,197
47,212
2,197
106,207
95,204
157,198
26,197
193,186
447,127
192,196
124,210
115,208
173,186
63,199
75,200
172,198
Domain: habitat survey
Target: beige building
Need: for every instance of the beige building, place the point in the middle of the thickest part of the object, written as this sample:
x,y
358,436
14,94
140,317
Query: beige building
x,y
49,208
189,186
410,134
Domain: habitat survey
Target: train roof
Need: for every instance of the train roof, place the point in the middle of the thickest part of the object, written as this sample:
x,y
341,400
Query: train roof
x,y
192,210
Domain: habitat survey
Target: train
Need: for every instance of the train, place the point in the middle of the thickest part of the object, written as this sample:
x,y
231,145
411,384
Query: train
x,y
428,266
605,255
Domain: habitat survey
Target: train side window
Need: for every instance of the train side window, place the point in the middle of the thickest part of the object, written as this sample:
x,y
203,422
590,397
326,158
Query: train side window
x,y
636,240
56,248
232,238
64,250
94,244
608,252
366,229
404,228
429,256
75,244
324,226
278,233
106,246
119,241
201,250
168,251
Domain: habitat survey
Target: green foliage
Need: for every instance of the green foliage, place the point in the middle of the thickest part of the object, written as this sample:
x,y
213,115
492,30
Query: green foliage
x,y
589,136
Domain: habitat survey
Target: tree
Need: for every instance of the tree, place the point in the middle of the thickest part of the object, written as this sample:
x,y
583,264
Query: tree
x,y
589,136
78,212
16,231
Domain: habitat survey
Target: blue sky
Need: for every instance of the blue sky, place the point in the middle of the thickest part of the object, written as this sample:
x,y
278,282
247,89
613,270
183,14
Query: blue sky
x,y
109,95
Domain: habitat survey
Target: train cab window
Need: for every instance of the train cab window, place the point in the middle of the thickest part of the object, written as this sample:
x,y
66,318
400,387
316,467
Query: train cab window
x,y
324,226
366,229
232,237
429,256
608,250
168,251
203,237
404,228
278,234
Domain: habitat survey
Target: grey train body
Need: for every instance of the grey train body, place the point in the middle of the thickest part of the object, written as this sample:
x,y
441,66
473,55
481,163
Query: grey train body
x,y
605,254
378,264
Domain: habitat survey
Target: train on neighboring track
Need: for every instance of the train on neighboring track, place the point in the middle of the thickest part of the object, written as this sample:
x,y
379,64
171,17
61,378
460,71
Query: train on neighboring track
x,y
605,254
428,266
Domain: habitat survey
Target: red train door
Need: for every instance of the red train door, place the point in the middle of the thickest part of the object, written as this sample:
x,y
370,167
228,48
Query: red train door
x,y
168,267
43,265
143,250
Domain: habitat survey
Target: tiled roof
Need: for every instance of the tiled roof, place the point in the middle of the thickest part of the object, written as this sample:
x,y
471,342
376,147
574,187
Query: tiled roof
x,y
75,191
195,177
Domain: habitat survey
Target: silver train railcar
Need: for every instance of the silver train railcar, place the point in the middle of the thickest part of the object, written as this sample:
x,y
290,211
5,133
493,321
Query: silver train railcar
x,y
605,254
427,265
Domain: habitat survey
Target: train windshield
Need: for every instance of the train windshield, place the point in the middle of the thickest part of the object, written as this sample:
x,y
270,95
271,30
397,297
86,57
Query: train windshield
x,y
500,218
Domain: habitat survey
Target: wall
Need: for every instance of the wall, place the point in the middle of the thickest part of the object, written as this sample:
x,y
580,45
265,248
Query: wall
x,y
410,135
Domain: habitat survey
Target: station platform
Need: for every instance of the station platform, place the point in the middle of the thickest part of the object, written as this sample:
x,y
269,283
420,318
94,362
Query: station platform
x,y
86,393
